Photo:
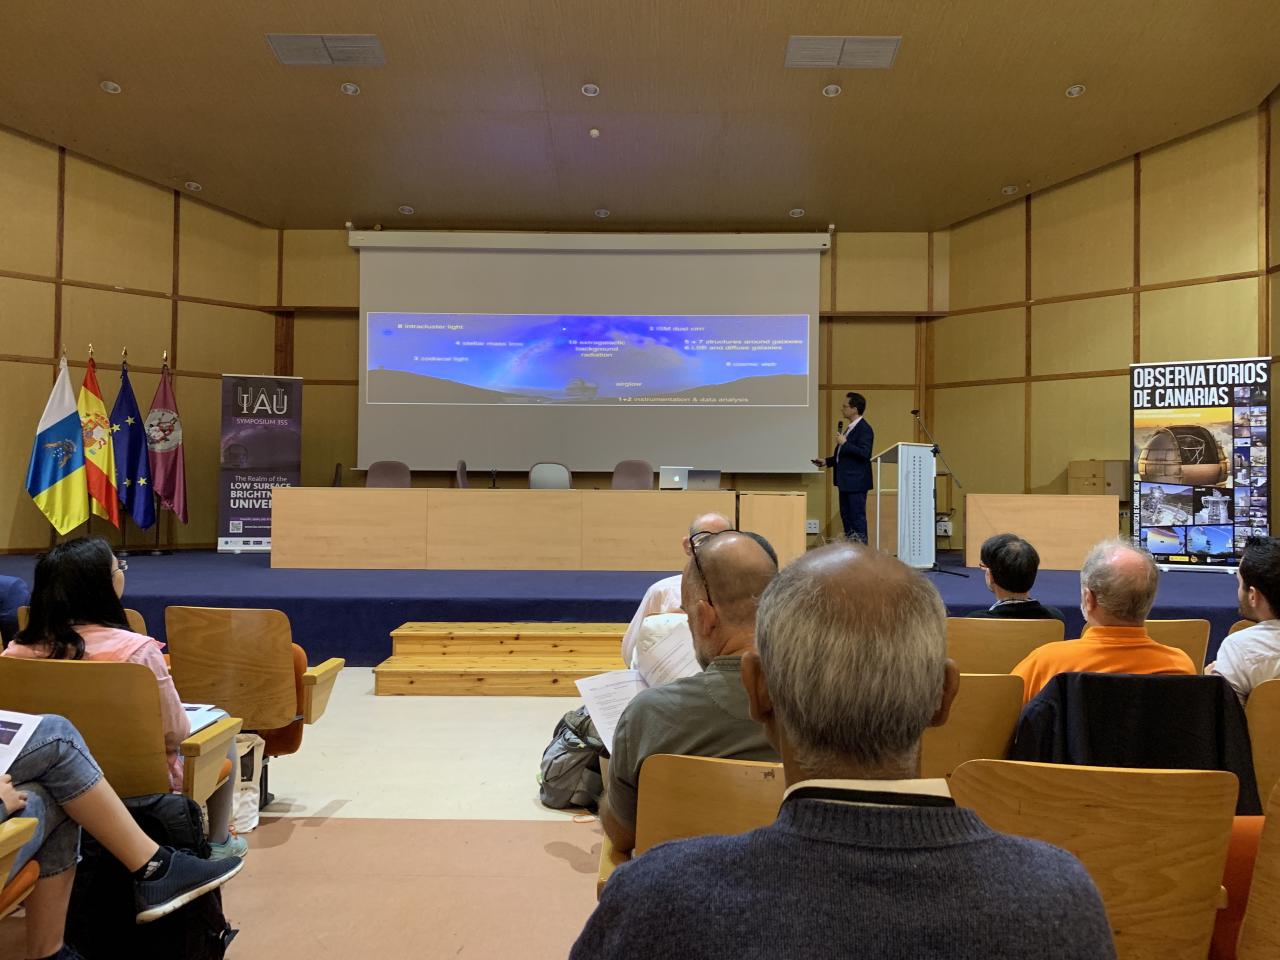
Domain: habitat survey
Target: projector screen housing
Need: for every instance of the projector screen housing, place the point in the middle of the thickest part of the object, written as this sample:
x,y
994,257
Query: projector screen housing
x,y
588,349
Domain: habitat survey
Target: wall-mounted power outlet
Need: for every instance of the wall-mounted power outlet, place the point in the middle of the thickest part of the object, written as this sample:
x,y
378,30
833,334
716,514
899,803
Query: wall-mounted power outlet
x,y
811,526
944,528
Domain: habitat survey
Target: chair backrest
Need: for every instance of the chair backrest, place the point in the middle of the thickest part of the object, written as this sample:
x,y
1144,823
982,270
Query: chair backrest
x,y
549,476
136,621
1241,625
387,473
1262,711
461,474
980,727
240,660
337,475
695,796
1154,841
633,475
115,706
1189,636
993,645
1260,931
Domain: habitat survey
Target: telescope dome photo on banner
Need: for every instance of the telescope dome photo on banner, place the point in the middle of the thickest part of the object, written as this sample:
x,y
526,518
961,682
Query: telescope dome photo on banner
x,y
1201,482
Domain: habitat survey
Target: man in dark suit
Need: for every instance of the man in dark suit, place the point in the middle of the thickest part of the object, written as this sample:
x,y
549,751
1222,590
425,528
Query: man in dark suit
x,y
852,463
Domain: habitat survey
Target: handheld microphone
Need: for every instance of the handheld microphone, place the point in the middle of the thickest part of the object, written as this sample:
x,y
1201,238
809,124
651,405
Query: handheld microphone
x,y
915,413
839,426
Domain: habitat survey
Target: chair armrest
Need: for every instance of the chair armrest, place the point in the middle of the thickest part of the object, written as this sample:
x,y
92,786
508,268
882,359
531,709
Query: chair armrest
x,y
609,860
317,685
203,753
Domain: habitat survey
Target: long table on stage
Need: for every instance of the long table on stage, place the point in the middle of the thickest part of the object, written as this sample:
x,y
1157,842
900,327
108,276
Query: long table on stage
x,y
423,528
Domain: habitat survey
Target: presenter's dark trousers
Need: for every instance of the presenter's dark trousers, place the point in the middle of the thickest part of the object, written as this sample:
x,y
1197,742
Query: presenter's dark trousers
x,y
853,513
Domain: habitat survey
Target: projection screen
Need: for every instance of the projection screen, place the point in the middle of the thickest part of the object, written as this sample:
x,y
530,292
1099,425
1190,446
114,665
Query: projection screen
x,y
503,350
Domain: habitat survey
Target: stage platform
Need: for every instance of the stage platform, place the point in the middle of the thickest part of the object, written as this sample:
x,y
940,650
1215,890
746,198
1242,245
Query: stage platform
x,y
351,613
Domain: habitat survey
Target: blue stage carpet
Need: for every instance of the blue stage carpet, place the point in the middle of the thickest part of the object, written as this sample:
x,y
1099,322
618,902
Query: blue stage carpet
x,y
351,613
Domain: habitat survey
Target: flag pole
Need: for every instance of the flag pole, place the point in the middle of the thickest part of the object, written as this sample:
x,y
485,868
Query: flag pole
x,y
124,519
88,497
157,550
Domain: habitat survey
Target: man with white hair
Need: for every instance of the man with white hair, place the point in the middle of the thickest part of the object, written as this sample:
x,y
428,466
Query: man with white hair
x,y
864,860
664,596
1117,590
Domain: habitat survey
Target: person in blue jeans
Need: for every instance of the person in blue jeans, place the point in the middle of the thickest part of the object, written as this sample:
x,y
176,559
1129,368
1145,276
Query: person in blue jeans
x,y
56,780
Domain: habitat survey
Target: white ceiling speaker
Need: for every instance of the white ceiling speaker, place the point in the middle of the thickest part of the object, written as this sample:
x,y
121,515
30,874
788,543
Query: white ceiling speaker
x,y
1075,90
193,186
110,86
407,210
602,213
350,89
1009,189
832,90
590,90
795,213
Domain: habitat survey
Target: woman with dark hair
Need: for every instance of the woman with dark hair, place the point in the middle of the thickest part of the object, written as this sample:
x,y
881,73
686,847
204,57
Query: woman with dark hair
x,y
76,614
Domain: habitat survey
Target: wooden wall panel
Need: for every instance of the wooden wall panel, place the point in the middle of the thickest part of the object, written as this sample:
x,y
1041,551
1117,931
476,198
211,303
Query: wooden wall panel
x,y
328,432
988,259
1076,420
980,432
824,281
26,317
1274,226
1200,204
112,321
29,199
979,346
1205,321
1082,234
319,268
882,271
24,388
1082,335
119,230
222,257
326,346
199,403
942,270
872,351
225,339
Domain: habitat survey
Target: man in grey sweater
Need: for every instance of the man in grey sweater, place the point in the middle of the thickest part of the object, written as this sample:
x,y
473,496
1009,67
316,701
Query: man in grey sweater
x,y
865,860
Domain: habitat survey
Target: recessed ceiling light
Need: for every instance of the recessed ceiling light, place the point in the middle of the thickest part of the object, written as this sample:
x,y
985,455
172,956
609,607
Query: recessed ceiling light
x,y
1009,189
590,90
193,186
350,89
1075,90
832,90
795,213
602,213
407,210
594,133
110,86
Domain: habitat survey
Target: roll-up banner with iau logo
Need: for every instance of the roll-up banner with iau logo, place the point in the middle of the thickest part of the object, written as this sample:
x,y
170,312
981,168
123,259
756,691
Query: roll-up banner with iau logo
x,y
1201,467
261,449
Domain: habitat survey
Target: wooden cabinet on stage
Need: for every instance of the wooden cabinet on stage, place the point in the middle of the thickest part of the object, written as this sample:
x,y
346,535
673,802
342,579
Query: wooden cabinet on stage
x,y
1099,477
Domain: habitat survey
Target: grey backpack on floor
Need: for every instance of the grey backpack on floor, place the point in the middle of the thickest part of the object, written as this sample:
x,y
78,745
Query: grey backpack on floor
x,y
570,770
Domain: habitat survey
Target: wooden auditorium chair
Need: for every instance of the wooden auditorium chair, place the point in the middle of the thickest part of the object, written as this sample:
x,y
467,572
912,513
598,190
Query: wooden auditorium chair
x,y
983,718
14,834
1154,841
1241,625
136,621
694,796
116,708
991,645
1189,636
245,662
1260,931
1262,713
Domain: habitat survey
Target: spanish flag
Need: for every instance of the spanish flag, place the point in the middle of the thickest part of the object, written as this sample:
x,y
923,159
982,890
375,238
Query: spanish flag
x,y
55,476
99,456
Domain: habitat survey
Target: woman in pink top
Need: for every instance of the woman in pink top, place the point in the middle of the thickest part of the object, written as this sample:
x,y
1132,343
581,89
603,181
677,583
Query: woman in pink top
x,y
76,614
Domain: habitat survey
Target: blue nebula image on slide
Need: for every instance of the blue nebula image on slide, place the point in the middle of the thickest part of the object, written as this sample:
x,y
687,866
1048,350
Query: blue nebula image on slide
x,y
1210,541
658,360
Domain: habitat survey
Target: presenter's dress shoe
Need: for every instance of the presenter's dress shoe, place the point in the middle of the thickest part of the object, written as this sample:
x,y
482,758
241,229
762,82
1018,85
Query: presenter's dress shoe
x,y
186,879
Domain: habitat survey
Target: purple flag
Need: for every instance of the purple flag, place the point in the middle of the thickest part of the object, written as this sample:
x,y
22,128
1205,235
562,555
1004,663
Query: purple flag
x,y
164,447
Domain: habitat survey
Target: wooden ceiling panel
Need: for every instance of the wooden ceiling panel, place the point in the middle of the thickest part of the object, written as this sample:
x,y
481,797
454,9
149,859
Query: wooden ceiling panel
x,y
477,118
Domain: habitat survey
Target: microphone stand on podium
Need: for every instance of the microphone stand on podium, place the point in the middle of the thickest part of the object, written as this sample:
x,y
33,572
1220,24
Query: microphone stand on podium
x,y
917,500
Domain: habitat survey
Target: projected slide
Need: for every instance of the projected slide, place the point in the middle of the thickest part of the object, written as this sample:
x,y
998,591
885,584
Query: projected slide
x,y
514,358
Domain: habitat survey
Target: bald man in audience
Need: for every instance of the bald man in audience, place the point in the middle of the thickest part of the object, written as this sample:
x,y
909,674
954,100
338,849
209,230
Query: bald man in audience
x,y
865,860
704,715
1117,590
664,596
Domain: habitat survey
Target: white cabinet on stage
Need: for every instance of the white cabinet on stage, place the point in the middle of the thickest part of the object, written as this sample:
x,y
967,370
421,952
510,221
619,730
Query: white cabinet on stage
x,y
917,472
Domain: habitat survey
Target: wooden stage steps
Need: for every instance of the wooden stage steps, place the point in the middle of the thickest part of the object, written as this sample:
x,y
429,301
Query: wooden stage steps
x,y
497,659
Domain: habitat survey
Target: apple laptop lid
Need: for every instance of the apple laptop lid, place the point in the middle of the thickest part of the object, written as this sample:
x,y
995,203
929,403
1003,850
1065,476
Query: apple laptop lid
x,y
704,480
673,478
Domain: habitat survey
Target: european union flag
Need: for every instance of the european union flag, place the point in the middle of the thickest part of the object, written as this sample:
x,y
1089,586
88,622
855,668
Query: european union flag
x,y
133,468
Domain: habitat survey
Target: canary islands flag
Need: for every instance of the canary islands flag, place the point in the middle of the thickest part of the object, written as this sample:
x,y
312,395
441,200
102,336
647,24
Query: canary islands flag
x,y
99,451
55,476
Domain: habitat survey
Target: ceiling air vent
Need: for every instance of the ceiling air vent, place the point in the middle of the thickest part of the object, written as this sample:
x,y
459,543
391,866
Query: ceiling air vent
x,y
327,49
856,53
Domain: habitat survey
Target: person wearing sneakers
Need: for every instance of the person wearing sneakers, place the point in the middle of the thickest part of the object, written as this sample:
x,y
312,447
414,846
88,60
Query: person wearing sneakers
x,y
56,781
76,614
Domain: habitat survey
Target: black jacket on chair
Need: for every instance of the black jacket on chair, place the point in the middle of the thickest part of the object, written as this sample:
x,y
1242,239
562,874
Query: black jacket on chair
x,y
852,460
1136,720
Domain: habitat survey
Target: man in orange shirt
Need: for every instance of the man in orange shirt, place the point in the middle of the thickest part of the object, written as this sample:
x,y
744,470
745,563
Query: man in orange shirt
x,y
1117,589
